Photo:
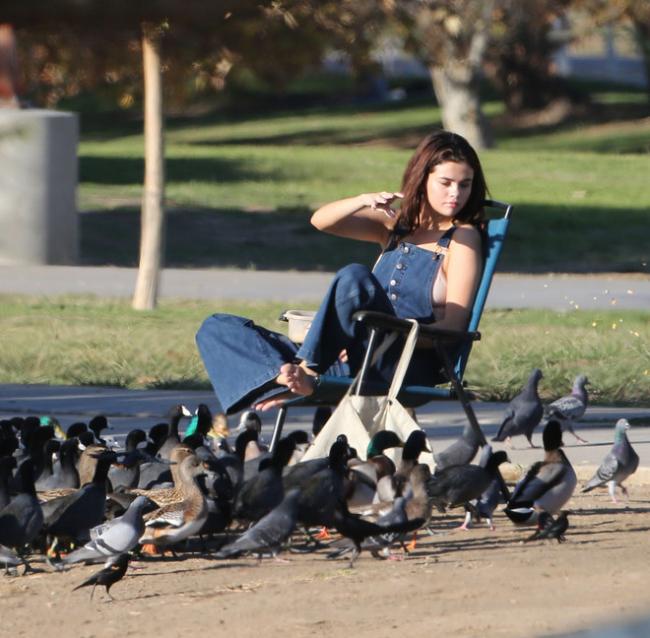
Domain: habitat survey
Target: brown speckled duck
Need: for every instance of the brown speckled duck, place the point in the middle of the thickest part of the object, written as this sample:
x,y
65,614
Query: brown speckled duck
x,y
168,495
174,523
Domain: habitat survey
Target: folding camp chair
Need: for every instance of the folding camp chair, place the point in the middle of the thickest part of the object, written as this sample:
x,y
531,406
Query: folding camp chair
x,y
330,389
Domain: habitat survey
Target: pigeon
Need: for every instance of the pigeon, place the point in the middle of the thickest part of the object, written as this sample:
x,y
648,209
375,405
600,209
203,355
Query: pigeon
x,y
548,485
113,571
621,461
523,414
115,537
485,505
571,407
461,451
547,527
9,558
269,533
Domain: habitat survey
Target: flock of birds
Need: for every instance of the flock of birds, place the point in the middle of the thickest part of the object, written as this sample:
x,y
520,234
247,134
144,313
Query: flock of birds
x,y
72,497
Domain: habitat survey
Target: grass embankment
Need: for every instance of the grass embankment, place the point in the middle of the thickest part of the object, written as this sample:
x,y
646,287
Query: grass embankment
x,y
240,190
88,341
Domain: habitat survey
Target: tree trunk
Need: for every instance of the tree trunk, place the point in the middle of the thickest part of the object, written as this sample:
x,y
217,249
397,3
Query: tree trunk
x,y
153,214
642,30
456,89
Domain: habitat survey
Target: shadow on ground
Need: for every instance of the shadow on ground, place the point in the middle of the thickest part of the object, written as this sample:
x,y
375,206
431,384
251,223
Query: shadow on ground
x,y
284,239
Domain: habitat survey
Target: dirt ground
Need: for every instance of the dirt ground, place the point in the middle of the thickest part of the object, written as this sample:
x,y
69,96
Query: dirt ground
x,y
455,583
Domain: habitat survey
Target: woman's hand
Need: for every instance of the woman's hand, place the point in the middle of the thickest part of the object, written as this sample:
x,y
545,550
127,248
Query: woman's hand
x,y
382,202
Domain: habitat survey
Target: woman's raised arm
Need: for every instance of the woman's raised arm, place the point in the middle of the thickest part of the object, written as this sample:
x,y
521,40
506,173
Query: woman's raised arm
x,y
367,217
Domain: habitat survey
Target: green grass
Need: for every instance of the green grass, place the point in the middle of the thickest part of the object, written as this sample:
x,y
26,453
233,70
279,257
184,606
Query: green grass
x,y
90,341
240,189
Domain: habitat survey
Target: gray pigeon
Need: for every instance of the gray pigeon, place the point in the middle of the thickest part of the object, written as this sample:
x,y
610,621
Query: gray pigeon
x,y
461,451
523,413
621,461
115,537
485,505
571,407
269,533
9,558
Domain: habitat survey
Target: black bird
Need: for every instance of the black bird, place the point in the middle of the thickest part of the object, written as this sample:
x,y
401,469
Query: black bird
x,y
269,533
126,470
234,461
459,484
260,494
549,528
297,474
73,515
357,529
65,471
75,429
322,493
96,425
153,473
22,519
173,439
108,576
51,447
7,466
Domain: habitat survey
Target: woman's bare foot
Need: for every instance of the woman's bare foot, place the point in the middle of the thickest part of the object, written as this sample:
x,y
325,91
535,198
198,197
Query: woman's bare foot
x,y
299,380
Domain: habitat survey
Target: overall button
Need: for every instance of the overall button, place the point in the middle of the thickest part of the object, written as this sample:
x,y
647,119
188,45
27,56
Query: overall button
x,y
393,282
393,296
399,266
406,249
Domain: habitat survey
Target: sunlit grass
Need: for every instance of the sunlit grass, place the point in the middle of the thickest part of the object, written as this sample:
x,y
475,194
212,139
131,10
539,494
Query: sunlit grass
x,y
90,341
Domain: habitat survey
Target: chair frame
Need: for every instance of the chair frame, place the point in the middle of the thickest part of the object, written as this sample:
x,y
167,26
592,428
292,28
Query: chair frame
x,y
330,389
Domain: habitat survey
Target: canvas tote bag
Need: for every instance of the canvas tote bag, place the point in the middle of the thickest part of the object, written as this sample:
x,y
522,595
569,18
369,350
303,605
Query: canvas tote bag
x,y
361,417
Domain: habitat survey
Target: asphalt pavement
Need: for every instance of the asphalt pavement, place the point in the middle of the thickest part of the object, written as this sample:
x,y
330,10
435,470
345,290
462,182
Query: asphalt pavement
x,y
561,292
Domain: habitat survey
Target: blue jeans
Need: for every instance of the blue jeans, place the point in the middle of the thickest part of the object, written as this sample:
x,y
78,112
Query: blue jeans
x,y
243,359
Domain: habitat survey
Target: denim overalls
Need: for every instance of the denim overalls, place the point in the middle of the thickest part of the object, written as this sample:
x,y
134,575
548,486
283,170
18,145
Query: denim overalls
x,y
243,359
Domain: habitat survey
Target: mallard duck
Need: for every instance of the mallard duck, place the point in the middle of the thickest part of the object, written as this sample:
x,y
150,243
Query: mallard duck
x,y
548,485
392,486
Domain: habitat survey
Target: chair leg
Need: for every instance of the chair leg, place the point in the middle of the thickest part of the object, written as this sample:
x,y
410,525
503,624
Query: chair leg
x,y
277,430
469,411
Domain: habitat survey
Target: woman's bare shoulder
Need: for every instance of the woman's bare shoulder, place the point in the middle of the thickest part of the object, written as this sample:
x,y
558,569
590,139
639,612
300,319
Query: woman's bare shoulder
x,y
467,234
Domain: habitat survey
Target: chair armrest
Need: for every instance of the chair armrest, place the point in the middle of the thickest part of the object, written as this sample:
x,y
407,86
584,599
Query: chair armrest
x,y
389,322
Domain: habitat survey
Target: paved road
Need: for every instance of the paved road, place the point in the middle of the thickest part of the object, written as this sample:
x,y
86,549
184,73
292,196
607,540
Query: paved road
x,y
554,291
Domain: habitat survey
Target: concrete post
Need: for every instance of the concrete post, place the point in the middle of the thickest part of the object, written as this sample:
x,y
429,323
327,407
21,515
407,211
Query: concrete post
x,y
38,181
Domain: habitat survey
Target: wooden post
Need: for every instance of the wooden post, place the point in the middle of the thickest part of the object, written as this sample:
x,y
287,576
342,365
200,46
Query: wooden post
x,y
153,214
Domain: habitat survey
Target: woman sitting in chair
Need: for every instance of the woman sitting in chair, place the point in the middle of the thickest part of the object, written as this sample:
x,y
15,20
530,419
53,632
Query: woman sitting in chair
x,y
429,270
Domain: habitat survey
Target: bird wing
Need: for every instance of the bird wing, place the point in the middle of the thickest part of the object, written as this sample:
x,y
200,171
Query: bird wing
x,y
168,516
568,407
540,478
507,428
608,469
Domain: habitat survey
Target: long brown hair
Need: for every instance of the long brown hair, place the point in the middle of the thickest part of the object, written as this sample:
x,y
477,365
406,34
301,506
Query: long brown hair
x,y
439,147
